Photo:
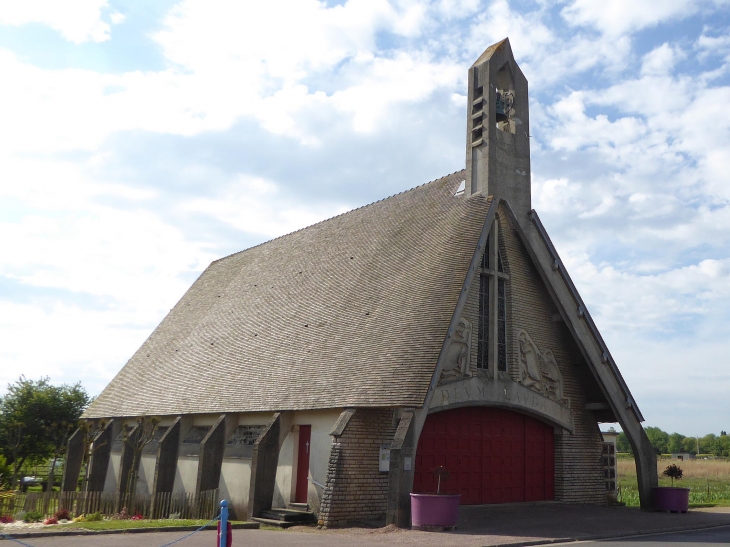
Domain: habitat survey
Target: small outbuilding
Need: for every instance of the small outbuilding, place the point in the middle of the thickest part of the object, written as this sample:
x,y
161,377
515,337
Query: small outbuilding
x,y
339,365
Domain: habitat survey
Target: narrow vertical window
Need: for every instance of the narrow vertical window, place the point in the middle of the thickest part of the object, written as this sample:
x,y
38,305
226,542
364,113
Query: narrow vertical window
x,y
483,351
492,309
501,325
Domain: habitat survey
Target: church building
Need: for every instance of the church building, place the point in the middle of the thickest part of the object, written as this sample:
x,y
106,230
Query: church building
x,y
339,365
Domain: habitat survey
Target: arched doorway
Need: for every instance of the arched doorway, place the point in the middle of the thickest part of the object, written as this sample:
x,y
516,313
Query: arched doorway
x,y
492,455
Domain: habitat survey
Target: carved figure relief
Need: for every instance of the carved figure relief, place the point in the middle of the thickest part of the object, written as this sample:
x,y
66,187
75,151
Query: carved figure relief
x,y
456,365
539,370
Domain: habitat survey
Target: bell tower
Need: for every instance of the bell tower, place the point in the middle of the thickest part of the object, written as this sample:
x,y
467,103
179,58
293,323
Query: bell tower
x,y
498,129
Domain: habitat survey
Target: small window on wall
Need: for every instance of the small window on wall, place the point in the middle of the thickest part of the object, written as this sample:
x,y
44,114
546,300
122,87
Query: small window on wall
x,y
492,313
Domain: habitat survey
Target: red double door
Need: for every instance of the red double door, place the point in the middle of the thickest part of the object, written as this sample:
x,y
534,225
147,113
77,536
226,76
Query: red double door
x,y
492,456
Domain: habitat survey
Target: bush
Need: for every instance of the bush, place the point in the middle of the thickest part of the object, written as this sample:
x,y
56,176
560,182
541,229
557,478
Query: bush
x,y
121,515
6,519
33,516
94,517
674,472
80,518
138,516
52,520
62,514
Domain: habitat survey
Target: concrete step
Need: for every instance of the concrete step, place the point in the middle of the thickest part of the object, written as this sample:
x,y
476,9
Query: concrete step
x,y
288,515
283,518
276,523
298,506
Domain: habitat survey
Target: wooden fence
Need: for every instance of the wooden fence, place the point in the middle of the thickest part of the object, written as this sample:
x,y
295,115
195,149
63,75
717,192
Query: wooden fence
x,y
160,506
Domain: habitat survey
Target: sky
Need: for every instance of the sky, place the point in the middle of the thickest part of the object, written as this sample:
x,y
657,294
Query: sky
x,y
139,141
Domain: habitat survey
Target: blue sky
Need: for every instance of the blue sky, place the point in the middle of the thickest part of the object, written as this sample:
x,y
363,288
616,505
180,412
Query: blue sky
x,y
139,141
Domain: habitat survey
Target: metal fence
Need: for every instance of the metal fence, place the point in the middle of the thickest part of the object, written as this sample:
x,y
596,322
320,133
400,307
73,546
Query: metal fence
x,y
158,506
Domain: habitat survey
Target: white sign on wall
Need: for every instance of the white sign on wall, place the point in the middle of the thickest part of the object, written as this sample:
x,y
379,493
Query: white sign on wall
x,y
384,459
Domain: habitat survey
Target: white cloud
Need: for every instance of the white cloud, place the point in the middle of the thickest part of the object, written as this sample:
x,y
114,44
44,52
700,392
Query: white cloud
x,y
117,18
457,8
616,17
280,39
254,205
78,21
222,72
68,343
629,175
660,61
546,55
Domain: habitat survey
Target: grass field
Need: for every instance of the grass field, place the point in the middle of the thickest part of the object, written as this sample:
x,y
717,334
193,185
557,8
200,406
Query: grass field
x,y
708,481
129,524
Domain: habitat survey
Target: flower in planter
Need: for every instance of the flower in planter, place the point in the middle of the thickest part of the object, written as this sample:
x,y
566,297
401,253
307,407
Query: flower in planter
x,y
442,474
674,472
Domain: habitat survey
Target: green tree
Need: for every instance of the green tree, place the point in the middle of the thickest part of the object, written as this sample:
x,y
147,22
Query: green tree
x,y
623,444
723,444
35,419
675,442
5,473
65,405
709,445
659,439
689,444
22,424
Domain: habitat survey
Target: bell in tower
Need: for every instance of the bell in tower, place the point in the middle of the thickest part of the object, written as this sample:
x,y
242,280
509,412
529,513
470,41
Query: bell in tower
x,y
498,129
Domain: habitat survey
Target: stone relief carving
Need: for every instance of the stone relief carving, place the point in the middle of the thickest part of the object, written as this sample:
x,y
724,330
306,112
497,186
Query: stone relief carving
x,y
456,365
539,370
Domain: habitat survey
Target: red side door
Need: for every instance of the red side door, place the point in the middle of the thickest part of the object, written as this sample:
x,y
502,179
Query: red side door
x,y
305,436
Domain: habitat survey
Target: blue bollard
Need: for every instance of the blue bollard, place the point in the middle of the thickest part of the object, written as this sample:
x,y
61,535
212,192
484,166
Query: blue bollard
x,y
224,531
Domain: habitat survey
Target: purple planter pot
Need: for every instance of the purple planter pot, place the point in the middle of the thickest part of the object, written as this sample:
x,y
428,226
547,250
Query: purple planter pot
x,y
667,498
430,511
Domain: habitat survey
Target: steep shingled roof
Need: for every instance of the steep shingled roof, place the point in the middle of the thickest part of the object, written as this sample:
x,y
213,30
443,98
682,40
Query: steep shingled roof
x,y
352,311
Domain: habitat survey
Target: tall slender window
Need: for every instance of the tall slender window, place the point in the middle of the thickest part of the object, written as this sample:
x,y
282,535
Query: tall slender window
x,y
484,281
501,326
492,311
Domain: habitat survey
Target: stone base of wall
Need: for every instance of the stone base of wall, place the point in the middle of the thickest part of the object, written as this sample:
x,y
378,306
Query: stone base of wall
x,y
356,489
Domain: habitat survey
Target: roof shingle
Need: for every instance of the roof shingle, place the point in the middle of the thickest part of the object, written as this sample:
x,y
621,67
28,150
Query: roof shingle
x,y
351,311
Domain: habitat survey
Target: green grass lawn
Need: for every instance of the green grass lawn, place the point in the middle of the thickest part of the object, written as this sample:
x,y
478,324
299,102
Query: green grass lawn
x,y
131,524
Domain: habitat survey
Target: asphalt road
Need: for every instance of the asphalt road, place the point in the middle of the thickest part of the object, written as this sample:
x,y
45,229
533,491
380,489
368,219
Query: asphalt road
x,y
693,538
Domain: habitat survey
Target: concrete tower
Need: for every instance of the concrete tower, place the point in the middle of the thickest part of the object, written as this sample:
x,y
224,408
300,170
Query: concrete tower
x,y
498,129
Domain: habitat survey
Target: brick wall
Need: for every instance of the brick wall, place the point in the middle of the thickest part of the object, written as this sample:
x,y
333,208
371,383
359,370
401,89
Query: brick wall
x,y
355,488
578,470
